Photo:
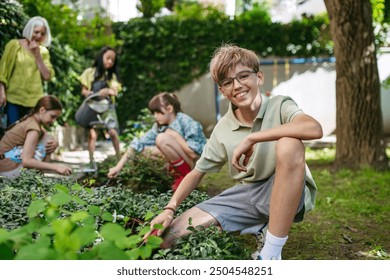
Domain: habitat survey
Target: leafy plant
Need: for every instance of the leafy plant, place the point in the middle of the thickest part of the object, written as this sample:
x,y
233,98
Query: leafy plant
x,y
136,128
53,232
206,244
140,174
12,20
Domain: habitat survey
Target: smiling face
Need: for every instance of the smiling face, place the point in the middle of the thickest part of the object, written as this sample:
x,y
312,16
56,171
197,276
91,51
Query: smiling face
x,y
39,34
242,94
109,59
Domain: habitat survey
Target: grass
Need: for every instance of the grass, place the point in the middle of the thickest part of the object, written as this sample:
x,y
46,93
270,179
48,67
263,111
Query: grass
x,y
351,217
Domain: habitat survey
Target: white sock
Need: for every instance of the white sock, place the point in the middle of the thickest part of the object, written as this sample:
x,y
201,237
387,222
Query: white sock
x,y
272,249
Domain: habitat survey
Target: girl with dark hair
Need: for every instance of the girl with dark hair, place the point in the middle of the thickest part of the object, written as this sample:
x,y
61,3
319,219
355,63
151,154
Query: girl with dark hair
x,y
175,136
23,145
102,78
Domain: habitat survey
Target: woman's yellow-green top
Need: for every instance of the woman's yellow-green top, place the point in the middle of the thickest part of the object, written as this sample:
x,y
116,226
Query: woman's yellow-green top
x,y
20,74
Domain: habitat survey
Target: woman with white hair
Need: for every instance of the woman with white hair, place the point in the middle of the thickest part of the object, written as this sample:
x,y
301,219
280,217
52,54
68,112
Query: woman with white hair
x,y
25,64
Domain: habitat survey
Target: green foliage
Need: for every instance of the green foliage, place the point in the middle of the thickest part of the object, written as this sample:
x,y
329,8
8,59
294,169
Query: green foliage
x,y
378,8
140,174
206,244
17,194
135,129
195,10
62,20
68,65
167,53
55,233
145,173
12,20
380,21
149,8
68,26
45,218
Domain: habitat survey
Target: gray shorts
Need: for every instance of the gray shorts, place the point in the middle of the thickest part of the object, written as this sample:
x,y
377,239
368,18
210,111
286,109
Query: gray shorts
x,y
245,206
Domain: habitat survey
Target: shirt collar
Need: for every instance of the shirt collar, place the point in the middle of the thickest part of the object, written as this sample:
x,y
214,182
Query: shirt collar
x,y
234,124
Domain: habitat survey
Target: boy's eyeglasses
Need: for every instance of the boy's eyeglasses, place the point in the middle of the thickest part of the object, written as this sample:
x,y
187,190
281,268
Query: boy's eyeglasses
x,y
241,77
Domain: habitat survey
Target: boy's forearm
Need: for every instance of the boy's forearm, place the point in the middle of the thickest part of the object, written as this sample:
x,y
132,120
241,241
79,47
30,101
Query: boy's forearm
x,y
302,127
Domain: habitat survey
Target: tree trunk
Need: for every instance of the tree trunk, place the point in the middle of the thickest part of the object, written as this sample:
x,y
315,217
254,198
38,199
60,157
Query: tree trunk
x,y
359,124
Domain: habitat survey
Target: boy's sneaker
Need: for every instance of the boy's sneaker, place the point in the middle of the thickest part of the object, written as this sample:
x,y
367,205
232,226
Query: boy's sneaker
x,y
260,240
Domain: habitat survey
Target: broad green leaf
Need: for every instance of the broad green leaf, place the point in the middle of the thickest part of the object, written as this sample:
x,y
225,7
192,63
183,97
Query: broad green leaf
x,y
3,235
35,252
6,252
62,227
94,210
144,231
52,213
36,207
158,226
61,188
46,230
79,216
108,251
107,216
88,190
128,242
154,241
60,199
149,215
86,235
76,187
133,254
145,251
78,200
112,231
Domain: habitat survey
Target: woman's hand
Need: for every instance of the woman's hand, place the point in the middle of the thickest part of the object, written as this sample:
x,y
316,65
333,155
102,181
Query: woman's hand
x,y
34,47
246,149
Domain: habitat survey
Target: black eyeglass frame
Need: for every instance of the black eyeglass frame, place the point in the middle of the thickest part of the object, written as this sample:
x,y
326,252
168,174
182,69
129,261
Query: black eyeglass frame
x,y
235,78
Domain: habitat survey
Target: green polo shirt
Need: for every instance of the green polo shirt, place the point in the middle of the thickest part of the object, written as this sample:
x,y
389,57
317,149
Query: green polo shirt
x,y
229,132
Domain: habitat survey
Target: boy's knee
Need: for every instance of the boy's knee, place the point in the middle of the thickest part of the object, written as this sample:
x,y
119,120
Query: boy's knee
x,y
290,151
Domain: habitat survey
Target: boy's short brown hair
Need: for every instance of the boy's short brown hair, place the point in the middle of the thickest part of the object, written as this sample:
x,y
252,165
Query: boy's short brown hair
x,y
227,57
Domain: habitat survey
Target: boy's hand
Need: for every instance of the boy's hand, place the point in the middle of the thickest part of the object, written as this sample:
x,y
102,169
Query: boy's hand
x,y
164,219
245,148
